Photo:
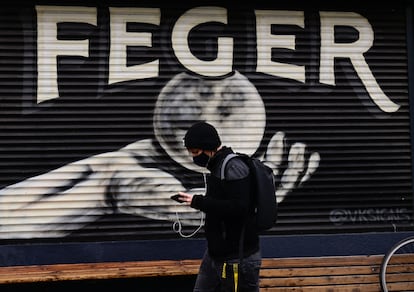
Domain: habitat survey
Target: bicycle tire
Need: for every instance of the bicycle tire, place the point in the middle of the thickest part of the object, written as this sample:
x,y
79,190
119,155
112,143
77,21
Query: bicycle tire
x,y
397,272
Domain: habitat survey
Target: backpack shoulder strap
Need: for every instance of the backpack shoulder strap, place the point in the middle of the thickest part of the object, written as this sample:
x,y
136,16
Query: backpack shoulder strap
x,y
223,165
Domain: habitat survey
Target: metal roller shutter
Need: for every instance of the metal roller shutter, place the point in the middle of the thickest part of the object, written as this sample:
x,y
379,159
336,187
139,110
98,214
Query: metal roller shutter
x,y
94,102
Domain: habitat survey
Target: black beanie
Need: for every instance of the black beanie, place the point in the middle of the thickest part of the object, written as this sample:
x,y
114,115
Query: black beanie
x,y
203,136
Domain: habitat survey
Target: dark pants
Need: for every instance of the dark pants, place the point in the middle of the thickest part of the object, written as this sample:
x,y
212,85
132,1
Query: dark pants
x,y
210,276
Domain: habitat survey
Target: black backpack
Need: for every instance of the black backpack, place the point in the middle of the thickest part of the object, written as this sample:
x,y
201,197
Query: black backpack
x,y
264,190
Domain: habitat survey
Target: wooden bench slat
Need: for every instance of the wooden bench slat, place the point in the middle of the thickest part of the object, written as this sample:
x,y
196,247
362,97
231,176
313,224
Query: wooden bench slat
x,y
64,272
403,268
322,261
400,277
336,288
320,280
315,271
402,286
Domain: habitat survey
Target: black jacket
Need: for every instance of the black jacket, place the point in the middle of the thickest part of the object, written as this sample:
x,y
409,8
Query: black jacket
x,y
227,207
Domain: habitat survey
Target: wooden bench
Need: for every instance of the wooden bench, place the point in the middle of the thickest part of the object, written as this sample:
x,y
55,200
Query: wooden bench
x,y
340,273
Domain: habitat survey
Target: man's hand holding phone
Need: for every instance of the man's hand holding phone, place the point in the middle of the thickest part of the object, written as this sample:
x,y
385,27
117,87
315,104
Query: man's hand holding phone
x,y
182,197
177,198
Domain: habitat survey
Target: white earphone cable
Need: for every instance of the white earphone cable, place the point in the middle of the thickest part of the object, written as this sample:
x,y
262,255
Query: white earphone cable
x,y
177,226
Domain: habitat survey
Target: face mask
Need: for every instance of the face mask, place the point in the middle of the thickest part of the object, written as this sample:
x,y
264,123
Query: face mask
x,y
201,159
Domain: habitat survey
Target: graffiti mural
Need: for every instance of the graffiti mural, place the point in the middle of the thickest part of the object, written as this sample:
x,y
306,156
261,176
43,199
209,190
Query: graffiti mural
x,y
94,122
129,181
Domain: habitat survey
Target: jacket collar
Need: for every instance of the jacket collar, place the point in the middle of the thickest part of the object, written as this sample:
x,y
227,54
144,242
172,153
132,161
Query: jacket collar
x,y
216,160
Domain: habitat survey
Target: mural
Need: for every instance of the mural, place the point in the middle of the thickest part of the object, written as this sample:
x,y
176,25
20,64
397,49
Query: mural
x,y
129,181
104,95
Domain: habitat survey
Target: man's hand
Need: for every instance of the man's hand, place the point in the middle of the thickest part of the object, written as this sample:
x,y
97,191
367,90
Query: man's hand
x,y
299,168
186,198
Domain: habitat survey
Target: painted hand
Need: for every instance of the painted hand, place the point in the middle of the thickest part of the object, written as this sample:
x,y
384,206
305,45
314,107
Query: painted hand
x,y
299,168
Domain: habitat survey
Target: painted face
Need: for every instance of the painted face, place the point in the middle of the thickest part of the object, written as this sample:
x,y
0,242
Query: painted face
x,y
232,105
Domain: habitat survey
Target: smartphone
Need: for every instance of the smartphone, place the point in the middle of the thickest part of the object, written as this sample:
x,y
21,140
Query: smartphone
x,y
176,198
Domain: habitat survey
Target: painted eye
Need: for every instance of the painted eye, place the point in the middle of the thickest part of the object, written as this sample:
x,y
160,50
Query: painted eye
x,y
205,91
224,111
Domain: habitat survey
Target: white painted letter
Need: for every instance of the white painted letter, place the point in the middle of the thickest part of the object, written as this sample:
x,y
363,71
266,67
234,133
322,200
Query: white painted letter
x,y
121,39
223,63
266,41
354,51
49,47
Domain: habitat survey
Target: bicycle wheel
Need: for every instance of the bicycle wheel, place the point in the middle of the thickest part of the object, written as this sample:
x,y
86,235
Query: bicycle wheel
x,y
397,267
